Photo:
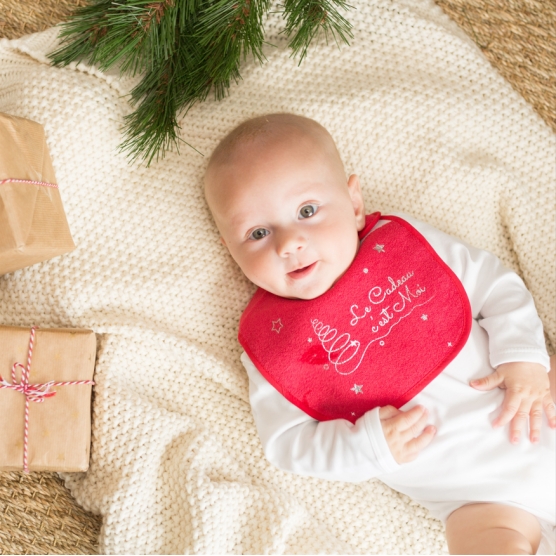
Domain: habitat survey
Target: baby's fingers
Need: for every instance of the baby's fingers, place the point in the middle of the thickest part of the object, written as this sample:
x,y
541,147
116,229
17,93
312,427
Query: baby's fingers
x,y
510,407
488,382
416,429
550,410
535,421
532,413
519,422
413,447
413,420
387,412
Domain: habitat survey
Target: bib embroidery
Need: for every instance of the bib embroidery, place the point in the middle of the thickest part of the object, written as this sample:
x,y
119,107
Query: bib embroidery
x,y
387,328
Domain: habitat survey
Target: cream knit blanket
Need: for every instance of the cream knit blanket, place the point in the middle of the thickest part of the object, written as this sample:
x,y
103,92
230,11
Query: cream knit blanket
x,y
176,464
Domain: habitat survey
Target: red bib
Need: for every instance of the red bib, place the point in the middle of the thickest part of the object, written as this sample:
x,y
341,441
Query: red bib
x,y
386,328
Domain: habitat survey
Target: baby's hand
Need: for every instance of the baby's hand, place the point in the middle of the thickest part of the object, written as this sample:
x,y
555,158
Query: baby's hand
x,y
406,432
527,392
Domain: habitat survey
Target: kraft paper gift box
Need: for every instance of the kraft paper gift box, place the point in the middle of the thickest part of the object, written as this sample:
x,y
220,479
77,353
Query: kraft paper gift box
x,y
33,224
59,426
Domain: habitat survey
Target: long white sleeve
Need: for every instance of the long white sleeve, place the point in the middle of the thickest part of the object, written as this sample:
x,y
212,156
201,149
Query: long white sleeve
x,y
500,301
295,442
338,450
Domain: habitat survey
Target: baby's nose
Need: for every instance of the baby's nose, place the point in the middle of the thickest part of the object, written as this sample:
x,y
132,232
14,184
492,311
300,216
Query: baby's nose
x,y
289,243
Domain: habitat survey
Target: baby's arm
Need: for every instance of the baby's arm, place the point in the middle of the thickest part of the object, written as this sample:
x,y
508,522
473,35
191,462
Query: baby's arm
x,y
516,342
502,305
337,449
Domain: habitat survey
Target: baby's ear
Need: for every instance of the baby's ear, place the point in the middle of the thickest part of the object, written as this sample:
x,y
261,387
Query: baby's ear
x,y
223,242
357,199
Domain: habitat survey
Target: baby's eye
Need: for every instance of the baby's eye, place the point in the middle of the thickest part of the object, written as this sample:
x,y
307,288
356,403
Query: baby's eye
x,y
307,211
259,233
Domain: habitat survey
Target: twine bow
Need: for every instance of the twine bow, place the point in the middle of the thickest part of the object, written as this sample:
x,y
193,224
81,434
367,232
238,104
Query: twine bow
x,y
37,393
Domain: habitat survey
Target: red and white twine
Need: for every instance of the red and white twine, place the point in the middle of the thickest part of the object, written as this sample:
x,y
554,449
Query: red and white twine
x,y
33,392
42,183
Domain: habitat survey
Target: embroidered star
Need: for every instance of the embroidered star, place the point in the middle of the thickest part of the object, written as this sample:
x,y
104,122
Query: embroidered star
x,y
425,317
353,413
353,343
309,339
365,270
357,388
450,344
277,326
379,248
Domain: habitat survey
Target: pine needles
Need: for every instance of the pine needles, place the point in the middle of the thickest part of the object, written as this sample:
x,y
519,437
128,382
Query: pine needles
x,y
305,18
184,49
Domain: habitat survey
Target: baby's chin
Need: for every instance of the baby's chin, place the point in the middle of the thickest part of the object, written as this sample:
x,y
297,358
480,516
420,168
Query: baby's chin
x,y
312,291
303,291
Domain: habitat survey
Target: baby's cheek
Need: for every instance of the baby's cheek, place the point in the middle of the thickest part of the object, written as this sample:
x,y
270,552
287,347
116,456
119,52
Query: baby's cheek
x,y
261,270
345,251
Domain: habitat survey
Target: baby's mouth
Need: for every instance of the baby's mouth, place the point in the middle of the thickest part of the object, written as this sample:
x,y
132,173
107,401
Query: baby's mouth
x,y
302,272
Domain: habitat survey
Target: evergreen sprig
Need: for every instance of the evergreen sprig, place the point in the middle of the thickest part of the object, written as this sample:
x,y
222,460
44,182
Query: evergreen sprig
x,y
184,49
306,18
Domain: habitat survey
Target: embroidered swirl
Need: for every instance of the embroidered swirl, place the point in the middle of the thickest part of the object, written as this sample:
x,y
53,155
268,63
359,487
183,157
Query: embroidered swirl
x,y
342,349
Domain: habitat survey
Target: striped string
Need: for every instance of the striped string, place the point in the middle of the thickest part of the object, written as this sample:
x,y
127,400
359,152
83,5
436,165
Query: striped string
x,y
14,180
33,392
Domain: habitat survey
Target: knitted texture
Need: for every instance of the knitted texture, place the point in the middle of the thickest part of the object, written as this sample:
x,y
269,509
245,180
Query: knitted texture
x,y
176,464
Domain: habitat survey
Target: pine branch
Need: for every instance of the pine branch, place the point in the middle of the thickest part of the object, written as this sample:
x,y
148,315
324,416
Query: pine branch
x,y
184,49
165,90
135,33
306,18
80,34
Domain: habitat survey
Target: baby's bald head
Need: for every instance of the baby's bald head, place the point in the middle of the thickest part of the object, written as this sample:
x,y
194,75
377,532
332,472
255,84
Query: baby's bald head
x,y
259,134
253,139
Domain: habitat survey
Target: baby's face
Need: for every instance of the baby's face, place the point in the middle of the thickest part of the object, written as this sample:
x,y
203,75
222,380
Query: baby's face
x,y
288,216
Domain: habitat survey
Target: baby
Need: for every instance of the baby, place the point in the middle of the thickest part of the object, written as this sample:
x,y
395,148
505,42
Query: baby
x,y
378,346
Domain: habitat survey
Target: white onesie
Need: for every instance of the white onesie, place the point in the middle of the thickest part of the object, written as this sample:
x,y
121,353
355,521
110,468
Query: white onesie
x,y
467,461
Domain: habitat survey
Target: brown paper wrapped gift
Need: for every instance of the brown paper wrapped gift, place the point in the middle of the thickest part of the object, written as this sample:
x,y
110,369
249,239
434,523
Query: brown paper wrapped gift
x,y
33,225
59,427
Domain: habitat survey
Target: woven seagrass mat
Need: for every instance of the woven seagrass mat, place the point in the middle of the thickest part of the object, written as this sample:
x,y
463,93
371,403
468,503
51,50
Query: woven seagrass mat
x,y
518,37
37,513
